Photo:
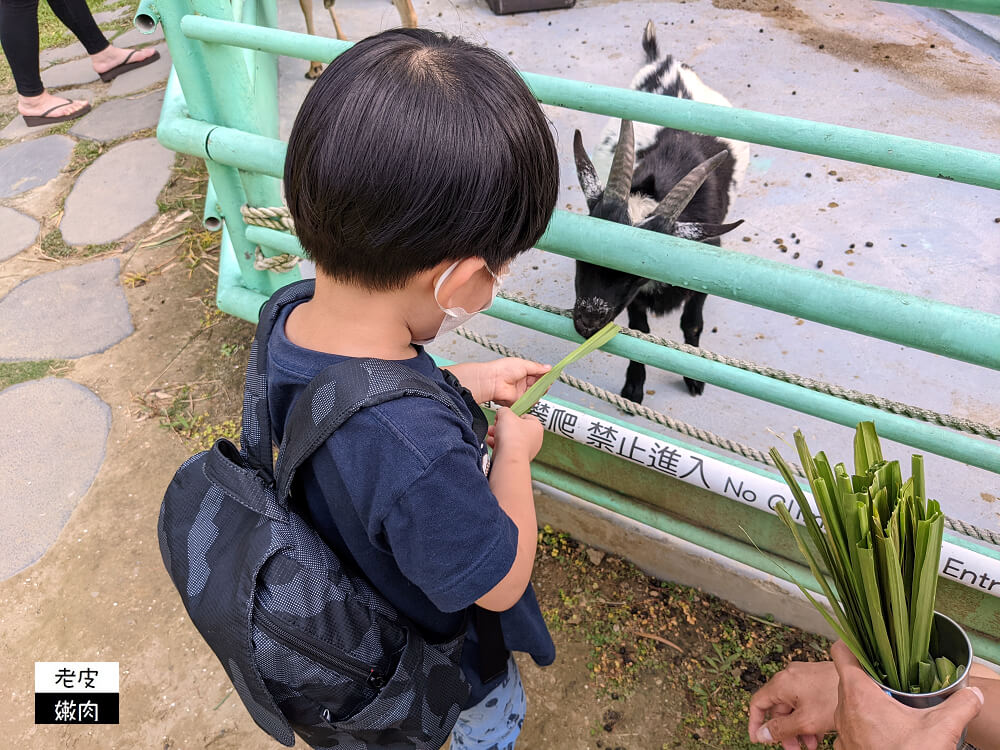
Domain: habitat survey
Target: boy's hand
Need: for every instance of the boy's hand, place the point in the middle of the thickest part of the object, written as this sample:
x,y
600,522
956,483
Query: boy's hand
x,y
516,436
502,380
510,377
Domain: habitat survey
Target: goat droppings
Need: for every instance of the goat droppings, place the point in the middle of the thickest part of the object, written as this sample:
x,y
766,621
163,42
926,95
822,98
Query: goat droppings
x,y
795,254
819,264
869,244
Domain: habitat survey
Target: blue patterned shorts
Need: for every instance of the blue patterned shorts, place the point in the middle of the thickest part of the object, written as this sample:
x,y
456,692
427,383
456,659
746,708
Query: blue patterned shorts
x,y
495,723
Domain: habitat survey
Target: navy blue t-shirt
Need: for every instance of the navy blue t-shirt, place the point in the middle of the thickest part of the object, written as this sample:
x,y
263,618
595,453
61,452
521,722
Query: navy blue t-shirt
x,y
399,490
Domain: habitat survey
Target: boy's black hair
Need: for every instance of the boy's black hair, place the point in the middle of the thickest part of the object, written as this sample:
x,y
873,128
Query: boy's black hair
x,y
415,148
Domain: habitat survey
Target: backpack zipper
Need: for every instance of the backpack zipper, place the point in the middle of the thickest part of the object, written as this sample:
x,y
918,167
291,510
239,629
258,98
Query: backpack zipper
x,y
318,649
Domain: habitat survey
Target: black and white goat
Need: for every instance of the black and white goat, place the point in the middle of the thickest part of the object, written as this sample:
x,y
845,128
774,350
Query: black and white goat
x,y
682,185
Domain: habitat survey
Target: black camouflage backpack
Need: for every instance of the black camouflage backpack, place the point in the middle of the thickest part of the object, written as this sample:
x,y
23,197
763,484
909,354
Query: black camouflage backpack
x,y
306,641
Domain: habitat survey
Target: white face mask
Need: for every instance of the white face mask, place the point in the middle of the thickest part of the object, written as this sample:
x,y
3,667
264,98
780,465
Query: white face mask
x,y
456,316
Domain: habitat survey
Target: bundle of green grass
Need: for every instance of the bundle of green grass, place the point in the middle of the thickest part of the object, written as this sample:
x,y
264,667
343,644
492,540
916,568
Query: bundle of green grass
x,y
880,545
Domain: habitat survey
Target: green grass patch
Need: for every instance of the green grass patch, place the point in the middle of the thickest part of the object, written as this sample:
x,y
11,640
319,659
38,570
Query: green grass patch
x,y
12,373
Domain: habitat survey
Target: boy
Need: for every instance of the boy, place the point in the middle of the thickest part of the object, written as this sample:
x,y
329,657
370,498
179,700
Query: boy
x,y
418,168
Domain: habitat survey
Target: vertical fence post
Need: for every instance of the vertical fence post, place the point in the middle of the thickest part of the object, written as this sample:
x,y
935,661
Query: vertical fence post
x,y
219,87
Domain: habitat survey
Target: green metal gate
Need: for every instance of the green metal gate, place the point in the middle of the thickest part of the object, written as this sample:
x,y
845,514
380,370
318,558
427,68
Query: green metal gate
x,y
221,105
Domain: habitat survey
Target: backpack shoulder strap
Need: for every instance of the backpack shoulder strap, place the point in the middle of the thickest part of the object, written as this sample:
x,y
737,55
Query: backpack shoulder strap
x,y
255,431
335,395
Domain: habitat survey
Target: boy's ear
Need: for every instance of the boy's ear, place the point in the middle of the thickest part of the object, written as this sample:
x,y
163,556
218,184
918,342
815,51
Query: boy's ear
x,y
449,295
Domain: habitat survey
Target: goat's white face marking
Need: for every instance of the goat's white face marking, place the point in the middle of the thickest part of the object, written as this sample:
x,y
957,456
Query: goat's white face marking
x,y
639,207
594,305
686,232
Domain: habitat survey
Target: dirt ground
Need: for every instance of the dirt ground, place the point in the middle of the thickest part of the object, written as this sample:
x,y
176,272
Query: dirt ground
x,y
641,664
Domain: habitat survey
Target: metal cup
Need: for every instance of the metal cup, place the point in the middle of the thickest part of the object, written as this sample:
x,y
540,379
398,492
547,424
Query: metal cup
x,y
947,639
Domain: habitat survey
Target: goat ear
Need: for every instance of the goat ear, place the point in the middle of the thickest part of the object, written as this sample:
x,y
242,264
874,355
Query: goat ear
x,y
681,194
590,183
699,231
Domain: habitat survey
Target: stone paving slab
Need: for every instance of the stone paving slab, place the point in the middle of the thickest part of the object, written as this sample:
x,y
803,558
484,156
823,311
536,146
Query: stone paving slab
x,y
19,231
120,117
142,78
69,74
106,16
58,54
65,314
16,129
54,434
116,193
27,165
134,38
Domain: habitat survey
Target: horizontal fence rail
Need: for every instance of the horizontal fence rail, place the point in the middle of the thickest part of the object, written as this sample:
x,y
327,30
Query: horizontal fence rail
x,y
976,6
850,144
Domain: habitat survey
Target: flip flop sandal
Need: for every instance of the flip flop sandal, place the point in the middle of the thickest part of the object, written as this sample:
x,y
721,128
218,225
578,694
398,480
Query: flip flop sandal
x,y
33,121
126,66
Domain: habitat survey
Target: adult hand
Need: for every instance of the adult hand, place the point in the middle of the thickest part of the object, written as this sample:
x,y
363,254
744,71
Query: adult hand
x,y
800,701
866,718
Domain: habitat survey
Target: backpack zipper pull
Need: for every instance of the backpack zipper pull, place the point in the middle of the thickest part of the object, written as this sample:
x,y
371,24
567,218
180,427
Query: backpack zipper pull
x,y
376,681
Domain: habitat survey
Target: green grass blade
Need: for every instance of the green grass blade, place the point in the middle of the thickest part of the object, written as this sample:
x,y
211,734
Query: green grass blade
x,y
897,611
840,627
873,601
930,534
867,450
927,673
536,391
917,473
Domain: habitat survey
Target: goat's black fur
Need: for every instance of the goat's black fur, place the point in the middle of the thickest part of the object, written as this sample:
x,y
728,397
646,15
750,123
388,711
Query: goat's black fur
x,y
602,293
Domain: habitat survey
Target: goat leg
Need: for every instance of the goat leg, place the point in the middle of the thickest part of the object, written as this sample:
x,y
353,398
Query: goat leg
x,y
692,324
336,24
315,68
635,375
406,13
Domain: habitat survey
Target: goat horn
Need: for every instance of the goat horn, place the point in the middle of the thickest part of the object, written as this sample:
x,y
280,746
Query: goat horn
x,y
620,179
681,194
699,231
590,183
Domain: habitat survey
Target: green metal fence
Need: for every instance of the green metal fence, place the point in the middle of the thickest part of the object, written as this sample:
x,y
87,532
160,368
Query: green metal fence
x,y
221,105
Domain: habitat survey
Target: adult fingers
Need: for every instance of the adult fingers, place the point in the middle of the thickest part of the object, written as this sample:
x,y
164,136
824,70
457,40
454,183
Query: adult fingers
x,y
843,657
956,712
785,728
811,741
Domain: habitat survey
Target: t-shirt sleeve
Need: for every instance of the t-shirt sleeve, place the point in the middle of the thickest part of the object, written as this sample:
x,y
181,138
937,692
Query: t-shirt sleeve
x,y
448,533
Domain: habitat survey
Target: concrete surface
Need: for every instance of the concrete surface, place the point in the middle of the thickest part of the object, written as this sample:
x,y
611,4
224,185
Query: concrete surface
x,y
65,314
120,117
142,78
45,424
24,166
19,231
116,193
